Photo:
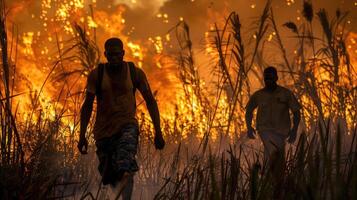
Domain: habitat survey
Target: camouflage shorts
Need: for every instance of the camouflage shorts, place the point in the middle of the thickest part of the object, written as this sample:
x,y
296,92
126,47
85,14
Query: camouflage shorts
x,y
117,154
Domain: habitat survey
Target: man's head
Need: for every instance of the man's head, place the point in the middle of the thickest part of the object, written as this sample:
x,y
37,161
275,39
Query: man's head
x,y
270,77
114,51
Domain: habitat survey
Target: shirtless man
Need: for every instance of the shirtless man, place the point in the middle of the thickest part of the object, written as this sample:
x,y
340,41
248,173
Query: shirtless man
x,y
273,117
116,128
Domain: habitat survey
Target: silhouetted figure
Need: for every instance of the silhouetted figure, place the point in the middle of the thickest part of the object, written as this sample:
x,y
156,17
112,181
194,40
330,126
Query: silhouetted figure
x,y
273,119
116,128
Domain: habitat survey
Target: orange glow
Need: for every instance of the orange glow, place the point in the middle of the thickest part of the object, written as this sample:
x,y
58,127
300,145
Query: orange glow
x,y
43,58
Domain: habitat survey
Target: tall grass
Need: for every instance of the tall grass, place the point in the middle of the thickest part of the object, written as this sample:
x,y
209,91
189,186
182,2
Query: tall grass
x,y
321,166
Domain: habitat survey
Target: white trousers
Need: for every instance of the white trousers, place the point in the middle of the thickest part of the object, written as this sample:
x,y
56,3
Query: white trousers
x,y
274,143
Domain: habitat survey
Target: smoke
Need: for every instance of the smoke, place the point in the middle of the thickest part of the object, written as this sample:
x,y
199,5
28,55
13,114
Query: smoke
x,y
144,19
153,4
200,14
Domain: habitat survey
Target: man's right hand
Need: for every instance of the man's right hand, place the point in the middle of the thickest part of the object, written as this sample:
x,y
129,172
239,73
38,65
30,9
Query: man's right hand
x,y
251,133
83,145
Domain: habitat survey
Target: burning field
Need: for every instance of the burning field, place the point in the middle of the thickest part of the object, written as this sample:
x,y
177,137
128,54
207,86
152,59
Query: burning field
x,y
203,59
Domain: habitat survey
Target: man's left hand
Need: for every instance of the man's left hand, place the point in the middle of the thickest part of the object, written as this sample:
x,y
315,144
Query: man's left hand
x,y
159,141
292,136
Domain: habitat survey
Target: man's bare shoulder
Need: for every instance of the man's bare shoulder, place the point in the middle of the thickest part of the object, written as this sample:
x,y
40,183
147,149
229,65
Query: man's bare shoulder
x,y
141,79
139,71
91,80
93,74
140,74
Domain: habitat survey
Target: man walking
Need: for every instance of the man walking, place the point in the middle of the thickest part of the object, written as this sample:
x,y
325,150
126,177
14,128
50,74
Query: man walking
x,y
273,117
116,128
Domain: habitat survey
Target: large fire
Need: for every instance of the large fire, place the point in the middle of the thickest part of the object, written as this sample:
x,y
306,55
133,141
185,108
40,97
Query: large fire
x,y
203,60
50,68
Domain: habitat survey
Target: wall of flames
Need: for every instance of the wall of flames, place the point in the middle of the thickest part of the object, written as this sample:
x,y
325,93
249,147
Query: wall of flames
x,y
36,64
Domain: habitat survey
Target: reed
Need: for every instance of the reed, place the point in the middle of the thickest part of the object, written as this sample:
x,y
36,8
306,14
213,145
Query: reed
x,y
194,164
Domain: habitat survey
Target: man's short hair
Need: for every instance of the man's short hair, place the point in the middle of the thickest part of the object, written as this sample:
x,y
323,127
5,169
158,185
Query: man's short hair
x,y
271,70
113,42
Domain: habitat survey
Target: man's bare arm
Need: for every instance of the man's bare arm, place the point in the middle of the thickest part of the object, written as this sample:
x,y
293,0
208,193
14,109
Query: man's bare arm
x,y
149,98
249,117
251,105
296,119
153,109
155,117
86,112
